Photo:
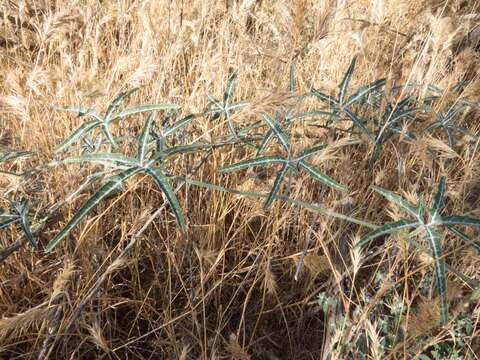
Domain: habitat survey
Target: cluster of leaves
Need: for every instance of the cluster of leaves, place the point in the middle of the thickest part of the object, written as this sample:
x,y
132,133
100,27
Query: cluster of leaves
x,y
18,215
385,118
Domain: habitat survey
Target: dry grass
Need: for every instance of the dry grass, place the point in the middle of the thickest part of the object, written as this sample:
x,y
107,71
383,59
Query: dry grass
x,y
227,290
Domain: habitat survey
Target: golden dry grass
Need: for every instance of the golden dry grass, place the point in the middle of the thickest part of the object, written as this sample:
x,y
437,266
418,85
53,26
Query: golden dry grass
x,y
227,290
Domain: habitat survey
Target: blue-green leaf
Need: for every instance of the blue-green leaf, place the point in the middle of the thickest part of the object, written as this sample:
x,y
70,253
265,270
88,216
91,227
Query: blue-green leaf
x,y
81,111
276,186
322,177
102,193
363,91
116,103
264,160
77,134
465,237
346,80
15,155
230,86
178,125
162,182
460,220
387,229
402,203
278,131
326,98
434,239
143,139
358,123
311,151
292,80
438,202
144,108
24,224
102,158
7,219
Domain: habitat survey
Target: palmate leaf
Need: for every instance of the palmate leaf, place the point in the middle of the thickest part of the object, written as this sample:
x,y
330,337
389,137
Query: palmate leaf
x,y
310,152
466,238
438,202
460,220
320,176
264,160
103,123
24,224
403,204
434,239
20,217
15,155
162,182
81,111
364,90
143,139
8,219
387,229
102,193
178,124
289,120
77,134
358,123
144,108
346,80
102,158
276,186
230,86
278,131
116,103
217,103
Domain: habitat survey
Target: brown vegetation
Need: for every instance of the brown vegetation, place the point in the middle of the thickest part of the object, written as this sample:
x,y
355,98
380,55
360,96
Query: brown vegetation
x,y
227,289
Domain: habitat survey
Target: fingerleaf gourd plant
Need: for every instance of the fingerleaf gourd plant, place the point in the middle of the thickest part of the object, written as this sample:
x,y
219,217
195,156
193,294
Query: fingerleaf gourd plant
x,y
290,162
126,167
18,216
426,221
103,123
382,116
